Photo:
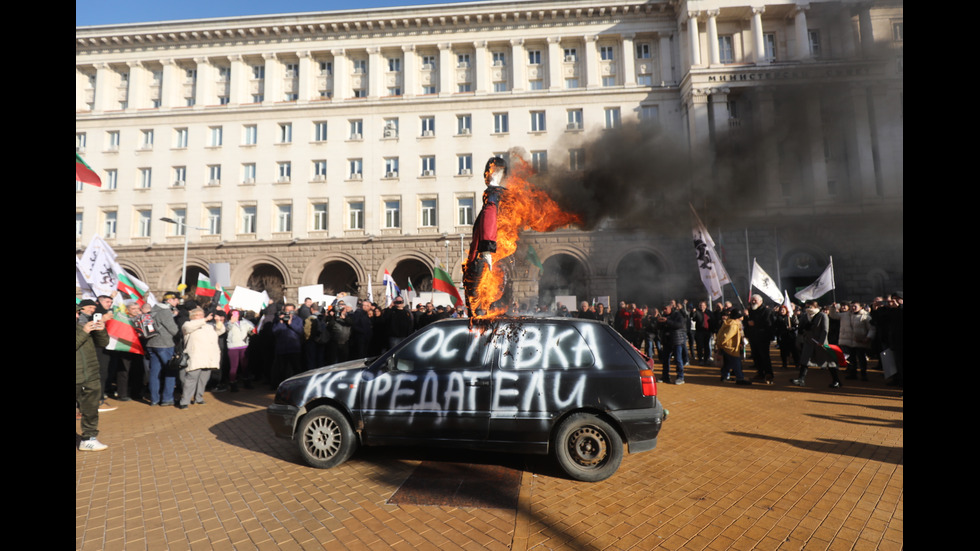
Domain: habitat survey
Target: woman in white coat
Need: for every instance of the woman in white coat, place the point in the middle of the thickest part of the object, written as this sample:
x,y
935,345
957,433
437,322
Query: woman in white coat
x,y
204,354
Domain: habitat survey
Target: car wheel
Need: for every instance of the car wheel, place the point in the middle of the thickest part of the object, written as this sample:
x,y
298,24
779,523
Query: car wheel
x,y
588,448
325,438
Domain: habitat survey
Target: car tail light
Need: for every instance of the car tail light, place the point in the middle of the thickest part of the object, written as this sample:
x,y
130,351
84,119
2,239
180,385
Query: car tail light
x,y
648,382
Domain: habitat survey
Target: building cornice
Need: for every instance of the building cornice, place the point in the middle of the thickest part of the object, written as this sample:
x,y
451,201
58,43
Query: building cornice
x,y
359,23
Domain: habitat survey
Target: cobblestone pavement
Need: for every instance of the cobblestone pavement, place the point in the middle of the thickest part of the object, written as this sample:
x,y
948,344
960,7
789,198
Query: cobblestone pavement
x,y
756,467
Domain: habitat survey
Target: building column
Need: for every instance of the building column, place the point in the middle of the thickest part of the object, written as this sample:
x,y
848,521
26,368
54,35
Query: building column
x,y
699,129
862,157
103,88
447,69
555,60
307,76
238,87
719,113
666,65
629,60
592,62
694,38
272,85
867,34
204,91
814,179
802,37
758,39
410,71
169,84
847,33
341,73
376,71
138,86
517,63
714,56
767,149
81,85
481,72
890,137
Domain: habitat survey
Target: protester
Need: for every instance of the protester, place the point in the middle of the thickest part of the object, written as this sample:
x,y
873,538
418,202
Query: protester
x,y
730,343
203,355
160,347
239,331
816,352
89,337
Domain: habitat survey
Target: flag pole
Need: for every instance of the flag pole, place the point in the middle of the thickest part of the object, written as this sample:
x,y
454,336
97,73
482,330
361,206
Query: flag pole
x,y
834,290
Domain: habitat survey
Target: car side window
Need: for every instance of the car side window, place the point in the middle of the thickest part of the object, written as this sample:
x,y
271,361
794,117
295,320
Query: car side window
x,y
548,346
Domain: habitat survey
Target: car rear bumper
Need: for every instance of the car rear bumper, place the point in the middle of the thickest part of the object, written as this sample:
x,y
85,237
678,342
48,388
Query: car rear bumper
x,y
282,417
641,426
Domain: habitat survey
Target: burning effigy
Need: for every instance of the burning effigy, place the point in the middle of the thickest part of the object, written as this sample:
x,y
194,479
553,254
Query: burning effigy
x,y
511,204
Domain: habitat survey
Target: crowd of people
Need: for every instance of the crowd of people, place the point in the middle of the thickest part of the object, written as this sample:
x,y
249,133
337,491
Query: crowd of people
x,y
190,346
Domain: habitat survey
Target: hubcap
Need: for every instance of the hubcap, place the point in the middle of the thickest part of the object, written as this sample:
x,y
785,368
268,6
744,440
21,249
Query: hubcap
x,y
322,438
587,446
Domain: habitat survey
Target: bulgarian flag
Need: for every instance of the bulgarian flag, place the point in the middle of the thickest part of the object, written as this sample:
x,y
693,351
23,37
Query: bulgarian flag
x,y
85,174
132,288
223,299
443,282
122,334
838,353
204,287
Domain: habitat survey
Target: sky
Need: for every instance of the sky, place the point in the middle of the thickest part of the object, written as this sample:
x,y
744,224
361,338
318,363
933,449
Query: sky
x,y
114,12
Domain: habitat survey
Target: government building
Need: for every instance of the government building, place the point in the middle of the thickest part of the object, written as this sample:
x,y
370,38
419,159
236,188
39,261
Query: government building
x,y
331,147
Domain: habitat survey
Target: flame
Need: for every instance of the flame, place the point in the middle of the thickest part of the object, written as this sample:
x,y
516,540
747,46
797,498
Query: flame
x,y
522,207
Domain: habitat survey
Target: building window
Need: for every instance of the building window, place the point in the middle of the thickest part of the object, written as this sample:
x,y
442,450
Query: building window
x,y
180,138
319,217
214,175
80,141
111,179
574,119
78,225
360,93
464,165
898,31
649,113
391,167
644,80
356,169
769,43
534,57
428,126
390,129
143,221
726,53
538,121
215,136
394,64
428,62
500,86
180,228
248,219
248,173
356,129
428,165
147,139
427,209
320,170
814,36
360,66
571,83
612,117
180,176
258,72
576,159
428,90
539,161
500,123
643,50
606,53
146,177
355,215
464,124
464,87
109,222
112,138
571,55
536,84
392,214
320,131
394,91
285,132
214,220
608,81
464,207
326,68
258,98
284,218
499,59
284,171
462,60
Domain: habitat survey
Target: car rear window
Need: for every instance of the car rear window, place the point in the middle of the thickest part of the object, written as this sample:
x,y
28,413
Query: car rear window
x,y
546,346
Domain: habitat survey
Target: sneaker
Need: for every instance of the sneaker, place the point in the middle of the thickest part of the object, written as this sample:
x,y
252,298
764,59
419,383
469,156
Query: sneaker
x,y
166,404
679,381
103,407
798,382
91,445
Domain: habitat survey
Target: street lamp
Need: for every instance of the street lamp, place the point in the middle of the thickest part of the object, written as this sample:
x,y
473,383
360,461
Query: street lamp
x,y
183,273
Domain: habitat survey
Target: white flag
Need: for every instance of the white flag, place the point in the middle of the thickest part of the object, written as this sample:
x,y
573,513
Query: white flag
x,y
370,296
97,267
764,283
713,274
787,302
820,287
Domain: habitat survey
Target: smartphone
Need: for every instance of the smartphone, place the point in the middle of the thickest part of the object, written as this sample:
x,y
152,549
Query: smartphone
x,y
96,318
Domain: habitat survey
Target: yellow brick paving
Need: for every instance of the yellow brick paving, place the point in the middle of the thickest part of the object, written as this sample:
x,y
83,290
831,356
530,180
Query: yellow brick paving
x,y
761,467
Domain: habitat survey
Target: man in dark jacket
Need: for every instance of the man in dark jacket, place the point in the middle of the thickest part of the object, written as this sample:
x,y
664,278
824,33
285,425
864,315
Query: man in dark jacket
x,y
88,383
702,332
673,326
758,330
160,349
399,321
288,332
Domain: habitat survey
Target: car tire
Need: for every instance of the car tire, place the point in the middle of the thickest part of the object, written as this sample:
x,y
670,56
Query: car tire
x,y
325,438
587,448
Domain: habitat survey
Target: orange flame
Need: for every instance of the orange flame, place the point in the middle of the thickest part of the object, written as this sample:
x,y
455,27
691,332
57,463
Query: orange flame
x,y
522,207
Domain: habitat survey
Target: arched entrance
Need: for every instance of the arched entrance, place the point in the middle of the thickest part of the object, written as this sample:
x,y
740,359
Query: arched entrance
x,y
419,272
800,269
268,278
562,274
338,277
640,278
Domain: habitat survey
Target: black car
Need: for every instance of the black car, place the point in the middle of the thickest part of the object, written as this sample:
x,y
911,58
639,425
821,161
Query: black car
x,y
568,386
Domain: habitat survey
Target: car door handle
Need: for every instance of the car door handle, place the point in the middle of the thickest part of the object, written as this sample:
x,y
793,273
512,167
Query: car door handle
x,y
478,382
